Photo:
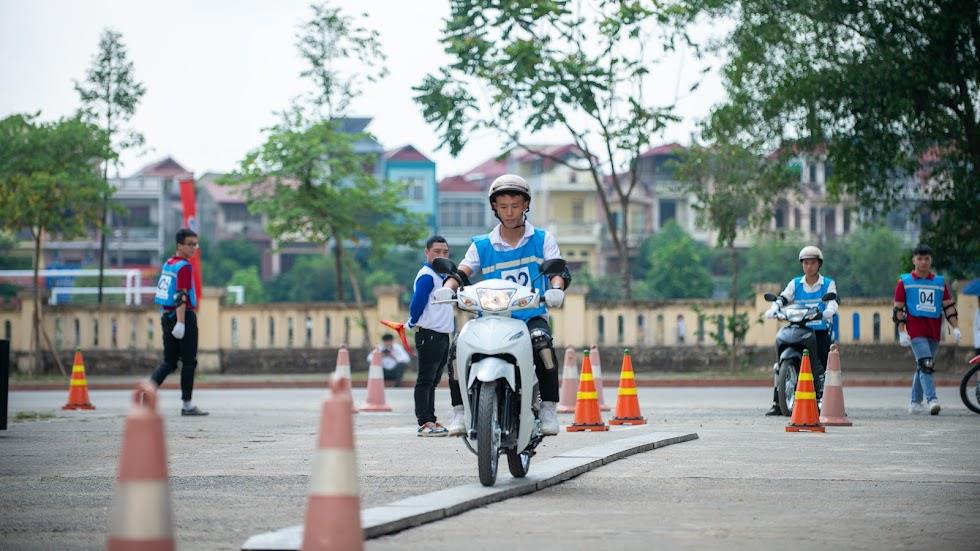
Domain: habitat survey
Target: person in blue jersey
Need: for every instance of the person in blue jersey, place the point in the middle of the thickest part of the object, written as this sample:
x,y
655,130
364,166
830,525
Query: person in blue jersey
x,y
513,250
433,325
177,298
922,298
808,289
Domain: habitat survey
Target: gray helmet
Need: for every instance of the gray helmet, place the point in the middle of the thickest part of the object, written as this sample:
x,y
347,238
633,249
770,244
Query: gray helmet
x,y
810,252
511,183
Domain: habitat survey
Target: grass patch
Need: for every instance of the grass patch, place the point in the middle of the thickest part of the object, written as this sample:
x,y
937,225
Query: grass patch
x,y
23,416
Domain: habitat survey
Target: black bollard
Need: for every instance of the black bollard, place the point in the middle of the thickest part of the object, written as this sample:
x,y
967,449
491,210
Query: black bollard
x,y
4,379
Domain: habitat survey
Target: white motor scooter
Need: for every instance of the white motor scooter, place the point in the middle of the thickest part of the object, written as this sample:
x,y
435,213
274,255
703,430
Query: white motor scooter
x,y
495,362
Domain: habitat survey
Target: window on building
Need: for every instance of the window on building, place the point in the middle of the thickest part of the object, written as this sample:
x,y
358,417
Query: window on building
x,y
235,212
797,216
847,220
780,219
578,211
813,220
813,173
876,327
602,329
415,188
668,211
461,213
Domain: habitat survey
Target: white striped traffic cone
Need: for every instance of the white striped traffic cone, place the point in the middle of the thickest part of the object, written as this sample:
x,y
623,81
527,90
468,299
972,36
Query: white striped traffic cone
x,y
142,515
569,382
375,385
342,371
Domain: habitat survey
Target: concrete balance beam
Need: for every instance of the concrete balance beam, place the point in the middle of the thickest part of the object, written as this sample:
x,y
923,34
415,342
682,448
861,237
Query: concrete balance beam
x,y
426,508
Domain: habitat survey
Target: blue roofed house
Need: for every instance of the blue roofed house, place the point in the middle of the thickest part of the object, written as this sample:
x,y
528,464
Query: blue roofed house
x,y
406,164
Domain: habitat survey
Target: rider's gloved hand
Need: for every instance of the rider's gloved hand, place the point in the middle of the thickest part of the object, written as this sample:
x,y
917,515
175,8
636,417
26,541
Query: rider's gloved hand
x,y
770,314
554,297
178,331
957,334
444,293
904,339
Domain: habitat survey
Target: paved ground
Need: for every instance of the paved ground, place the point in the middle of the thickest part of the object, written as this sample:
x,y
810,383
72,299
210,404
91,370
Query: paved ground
x,y
891,481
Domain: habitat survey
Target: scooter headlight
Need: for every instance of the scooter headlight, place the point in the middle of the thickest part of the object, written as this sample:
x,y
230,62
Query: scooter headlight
x,y
494,300
795,315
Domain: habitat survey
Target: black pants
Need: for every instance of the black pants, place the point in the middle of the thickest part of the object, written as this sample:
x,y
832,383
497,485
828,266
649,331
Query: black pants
x,y
819,371
547,378
395,374
433,351
184,349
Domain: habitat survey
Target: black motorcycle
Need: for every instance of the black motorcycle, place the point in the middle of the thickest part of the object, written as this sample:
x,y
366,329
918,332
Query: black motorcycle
x,y
791,341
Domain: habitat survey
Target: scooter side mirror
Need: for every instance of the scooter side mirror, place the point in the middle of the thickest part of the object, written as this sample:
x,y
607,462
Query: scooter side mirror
x,y
829,297
443,266
553,267
770,297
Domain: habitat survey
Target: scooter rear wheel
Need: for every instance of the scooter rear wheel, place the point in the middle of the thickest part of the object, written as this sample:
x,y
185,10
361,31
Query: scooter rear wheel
x,y
487,433
786,386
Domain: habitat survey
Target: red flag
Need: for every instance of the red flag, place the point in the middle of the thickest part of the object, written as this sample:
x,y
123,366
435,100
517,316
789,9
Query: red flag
x,y
399,327
189,202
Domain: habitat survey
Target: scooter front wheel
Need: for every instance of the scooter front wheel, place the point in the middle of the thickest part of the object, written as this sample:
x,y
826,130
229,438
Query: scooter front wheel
x,y
786,386
487,433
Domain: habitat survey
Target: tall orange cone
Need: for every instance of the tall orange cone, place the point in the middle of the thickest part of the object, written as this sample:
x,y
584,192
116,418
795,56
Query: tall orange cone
x,y
142,514
832,413
627,403
569,382
78,386
587,416
597,373
333,510
375,385
342,371
804,417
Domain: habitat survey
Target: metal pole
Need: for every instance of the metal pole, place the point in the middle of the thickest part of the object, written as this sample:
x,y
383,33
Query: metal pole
x,y
4,376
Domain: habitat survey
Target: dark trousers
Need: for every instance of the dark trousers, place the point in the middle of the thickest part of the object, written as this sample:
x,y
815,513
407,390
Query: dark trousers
x,y
819,372
174,349
433,352
395,374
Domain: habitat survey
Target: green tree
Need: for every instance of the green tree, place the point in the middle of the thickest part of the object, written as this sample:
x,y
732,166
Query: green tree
x,y
250,280
892,89
517,68
677,268
49,183
866,263
110,95
222,259
774,260
734,187
308,176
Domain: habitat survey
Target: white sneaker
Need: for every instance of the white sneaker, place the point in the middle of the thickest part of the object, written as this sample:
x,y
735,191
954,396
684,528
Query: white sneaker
x,y
456,425
934,407
548,415
916,408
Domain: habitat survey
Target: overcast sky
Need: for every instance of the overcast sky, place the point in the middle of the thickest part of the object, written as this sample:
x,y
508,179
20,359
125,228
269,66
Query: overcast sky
x,y
216,71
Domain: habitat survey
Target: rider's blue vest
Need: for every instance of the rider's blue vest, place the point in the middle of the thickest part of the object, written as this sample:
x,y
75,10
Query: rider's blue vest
x,y
519,265
813,299
167,285
924,297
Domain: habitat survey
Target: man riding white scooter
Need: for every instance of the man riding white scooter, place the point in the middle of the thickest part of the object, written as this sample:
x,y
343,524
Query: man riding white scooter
x,y
513,250
808,289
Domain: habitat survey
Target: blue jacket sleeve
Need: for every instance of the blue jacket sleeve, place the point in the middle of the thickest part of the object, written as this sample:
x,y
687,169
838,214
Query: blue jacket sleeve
x,y
423,288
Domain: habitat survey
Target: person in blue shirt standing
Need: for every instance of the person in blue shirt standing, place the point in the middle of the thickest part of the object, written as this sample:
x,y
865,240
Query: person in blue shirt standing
x,y
808,289
177,298
513,250
433,325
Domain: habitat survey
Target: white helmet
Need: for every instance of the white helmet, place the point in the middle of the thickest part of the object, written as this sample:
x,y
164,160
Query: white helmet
x,y
810,252
509,183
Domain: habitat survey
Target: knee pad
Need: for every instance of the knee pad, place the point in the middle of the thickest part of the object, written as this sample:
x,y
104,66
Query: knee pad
x,y
926,365
542,345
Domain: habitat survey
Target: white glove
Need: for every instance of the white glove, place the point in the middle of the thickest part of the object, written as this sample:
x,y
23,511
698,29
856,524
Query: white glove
x,y
443,293
178,331
554,298
770,313
957,334
904,339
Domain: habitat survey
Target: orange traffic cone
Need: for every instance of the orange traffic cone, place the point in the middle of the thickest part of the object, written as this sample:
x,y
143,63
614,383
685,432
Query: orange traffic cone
x,y
375,386
342,371
627,403
333,510
78,386
804,417
587,416
832,414
569,382
597,373
142,515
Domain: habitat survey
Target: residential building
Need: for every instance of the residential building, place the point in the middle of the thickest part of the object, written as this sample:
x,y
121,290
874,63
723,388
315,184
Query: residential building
x,y
463,207
406,164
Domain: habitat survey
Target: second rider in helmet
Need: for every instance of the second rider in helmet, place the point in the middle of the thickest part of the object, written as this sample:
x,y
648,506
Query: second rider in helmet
x,y
808,289
513,250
